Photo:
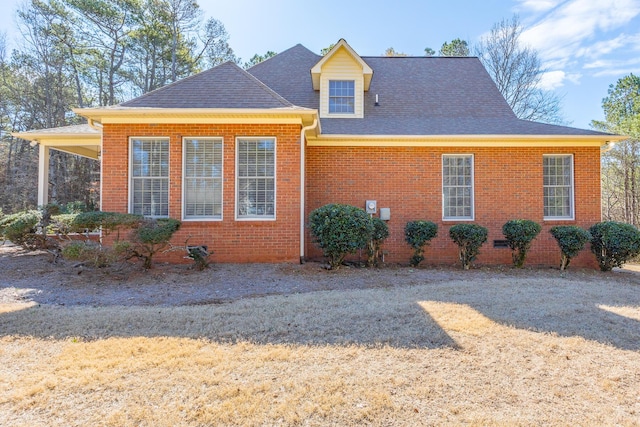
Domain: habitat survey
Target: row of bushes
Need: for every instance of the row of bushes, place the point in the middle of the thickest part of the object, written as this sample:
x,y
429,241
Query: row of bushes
x,y
136,236
343,229
338,229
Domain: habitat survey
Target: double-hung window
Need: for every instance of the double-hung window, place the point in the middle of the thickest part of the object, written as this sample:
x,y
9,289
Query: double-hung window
x,y
202,178
341,96
558,186
256,178
149,186
457,187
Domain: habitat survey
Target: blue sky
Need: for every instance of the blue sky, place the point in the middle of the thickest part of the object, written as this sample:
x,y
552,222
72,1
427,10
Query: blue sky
x,y
585,44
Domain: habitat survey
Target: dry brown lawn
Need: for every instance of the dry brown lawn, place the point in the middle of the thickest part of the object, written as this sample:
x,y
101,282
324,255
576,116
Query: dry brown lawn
x,y
509,351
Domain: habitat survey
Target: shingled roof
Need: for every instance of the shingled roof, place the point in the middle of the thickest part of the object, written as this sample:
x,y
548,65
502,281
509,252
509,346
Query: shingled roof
x,y
417,96
224,86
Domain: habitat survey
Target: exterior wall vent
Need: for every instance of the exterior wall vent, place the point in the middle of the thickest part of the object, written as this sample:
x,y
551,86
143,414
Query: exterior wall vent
x,y
500,243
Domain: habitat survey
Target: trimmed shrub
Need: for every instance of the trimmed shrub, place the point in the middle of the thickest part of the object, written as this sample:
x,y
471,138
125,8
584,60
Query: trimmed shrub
x,y
614,243
469,238
374,248
109,222
77,207
62,224
519,234
417,234
340,230
571,240
152,236
93,254
21,228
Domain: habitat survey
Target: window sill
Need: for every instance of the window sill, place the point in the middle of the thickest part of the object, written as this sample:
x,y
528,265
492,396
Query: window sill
x,y
255,219
558,219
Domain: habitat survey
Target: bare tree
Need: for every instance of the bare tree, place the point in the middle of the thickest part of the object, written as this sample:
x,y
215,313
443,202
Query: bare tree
x,y
517,71
183,17
215,42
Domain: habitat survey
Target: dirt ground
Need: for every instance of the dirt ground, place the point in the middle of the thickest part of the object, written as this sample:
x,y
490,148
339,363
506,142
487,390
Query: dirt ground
x,y
288,344
31,276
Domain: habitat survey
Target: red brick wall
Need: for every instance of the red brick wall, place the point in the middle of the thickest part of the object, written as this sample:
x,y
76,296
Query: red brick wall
x,y
508,185
231,240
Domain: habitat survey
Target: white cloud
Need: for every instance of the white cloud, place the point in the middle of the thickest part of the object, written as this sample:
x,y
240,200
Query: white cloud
x,y
603,47
564,30
538,5
613,63
552,80
617,72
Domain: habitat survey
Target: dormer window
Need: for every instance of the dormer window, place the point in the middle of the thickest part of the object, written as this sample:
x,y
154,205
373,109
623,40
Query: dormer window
x,y
342,77
341,96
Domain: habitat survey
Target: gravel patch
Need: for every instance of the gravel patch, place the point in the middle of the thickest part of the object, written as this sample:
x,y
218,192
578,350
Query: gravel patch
x,y
32,277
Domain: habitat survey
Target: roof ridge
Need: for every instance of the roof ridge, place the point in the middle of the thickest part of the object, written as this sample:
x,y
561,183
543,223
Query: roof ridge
x,y
418,57
280,53
264,87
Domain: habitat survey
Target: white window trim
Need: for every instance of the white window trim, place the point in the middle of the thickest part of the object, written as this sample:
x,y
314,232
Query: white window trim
x,y
573,190
355,99
184,160
473,189
275,179
130,177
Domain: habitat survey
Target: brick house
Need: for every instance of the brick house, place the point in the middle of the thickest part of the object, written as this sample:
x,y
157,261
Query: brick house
x,y
243,157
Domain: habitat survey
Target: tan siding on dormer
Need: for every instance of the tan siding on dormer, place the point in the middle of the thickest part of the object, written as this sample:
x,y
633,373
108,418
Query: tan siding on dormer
x,y
342,66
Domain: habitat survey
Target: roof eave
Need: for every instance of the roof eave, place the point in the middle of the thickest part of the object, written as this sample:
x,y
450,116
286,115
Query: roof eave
x,y
466,140
152,114
35,136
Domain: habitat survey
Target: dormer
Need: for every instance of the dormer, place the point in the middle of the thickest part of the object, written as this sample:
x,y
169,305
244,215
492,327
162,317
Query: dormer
x,y
342,77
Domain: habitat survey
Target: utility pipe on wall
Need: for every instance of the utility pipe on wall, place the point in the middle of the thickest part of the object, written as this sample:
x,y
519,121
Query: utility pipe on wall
x,y
302,184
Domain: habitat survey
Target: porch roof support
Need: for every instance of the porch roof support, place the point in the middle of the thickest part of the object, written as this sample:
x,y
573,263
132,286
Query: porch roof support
x,y
43,175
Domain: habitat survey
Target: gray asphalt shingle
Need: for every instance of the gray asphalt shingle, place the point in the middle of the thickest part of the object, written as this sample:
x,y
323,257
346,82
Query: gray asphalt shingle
x,y
224,86
417,96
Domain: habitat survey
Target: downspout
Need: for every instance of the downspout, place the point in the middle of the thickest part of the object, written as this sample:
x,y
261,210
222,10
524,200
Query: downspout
x,y
302,184
94,125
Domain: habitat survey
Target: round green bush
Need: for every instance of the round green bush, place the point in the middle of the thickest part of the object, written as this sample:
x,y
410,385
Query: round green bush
x,y
417,234
379,234
614,243
519,234
469,238
571,240
340,230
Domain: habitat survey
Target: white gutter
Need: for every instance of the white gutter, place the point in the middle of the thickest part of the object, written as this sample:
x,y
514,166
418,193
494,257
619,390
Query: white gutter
x,y
302,183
